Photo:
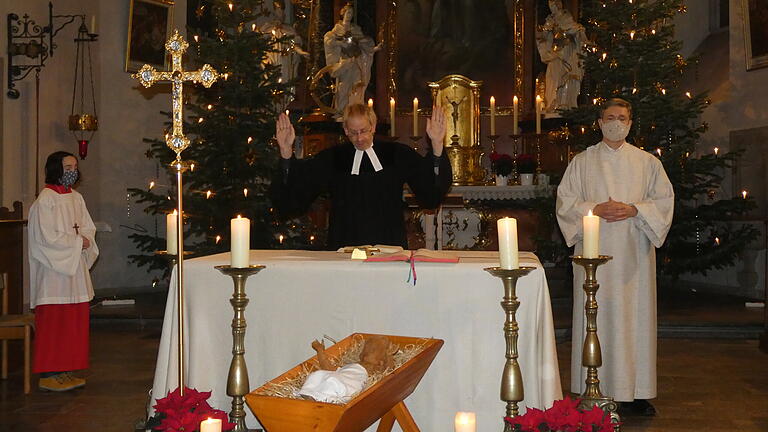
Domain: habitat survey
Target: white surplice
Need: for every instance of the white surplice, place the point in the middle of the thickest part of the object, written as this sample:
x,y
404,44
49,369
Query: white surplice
x,y
58,264
626,319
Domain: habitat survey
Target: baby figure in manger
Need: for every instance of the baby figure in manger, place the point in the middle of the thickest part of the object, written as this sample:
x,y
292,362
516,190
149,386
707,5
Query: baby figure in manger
x,y
339,384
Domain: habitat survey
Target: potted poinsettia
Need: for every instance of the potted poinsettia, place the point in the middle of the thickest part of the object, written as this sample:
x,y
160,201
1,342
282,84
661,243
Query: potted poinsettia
x,y
177,413
564,416
526,165
501,165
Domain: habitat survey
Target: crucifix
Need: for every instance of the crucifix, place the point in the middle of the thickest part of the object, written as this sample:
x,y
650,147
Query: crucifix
x,y
177,142
77,228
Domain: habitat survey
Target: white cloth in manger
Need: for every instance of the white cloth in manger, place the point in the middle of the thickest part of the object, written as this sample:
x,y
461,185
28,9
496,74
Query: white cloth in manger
x,y
337,386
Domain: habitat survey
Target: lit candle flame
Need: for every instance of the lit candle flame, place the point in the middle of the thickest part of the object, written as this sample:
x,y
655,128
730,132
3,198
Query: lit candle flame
x,y
717,241
370,102
151,184
253,27
208,194
230,6
716,150
196,38
632,35
192,167
175,212
605,55
245,192
218,239
250,140
658,150
689,95
281,239
590,213
239,217
744,194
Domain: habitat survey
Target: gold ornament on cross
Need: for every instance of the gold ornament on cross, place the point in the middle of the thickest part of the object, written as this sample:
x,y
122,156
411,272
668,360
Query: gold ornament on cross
x,y
148,75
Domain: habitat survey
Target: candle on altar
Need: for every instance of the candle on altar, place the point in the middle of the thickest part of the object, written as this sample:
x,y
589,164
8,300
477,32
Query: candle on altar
x,y
508,256
464,422
514,115
392,117
493,115
538,114
415,117
92,30
210,425
370,103
591,226
241,241
171,240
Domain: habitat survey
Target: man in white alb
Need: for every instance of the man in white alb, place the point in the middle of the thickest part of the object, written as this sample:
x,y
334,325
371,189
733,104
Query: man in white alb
x,y
629,190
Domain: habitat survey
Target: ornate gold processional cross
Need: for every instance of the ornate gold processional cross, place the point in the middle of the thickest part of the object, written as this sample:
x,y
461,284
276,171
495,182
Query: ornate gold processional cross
x,y
177,142
148,75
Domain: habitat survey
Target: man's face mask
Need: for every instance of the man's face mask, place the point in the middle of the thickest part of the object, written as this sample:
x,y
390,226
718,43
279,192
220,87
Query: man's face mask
x,y
615,130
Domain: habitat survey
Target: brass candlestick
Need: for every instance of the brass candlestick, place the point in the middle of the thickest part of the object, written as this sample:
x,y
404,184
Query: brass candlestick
x,y
538,157
511,379
237,379
493,139
516,139
591,355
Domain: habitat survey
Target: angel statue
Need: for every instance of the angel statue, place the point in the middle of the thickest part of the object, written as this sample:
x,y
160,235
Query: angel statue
x,y
349,56
560,41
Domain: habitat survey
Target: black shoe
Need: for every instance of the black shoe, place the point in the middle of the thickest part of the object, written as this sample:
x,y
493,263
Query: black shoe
x,y
638,407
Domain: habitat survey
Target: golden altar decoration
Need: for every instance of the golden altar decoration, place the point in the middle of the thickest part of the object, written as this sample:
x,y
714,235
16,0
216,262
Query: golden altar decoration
x,y
460,97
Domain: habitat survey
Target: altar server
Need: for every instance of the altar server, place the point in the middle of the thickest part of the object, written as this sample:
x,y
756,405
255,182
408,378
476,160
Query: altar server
x,y
629,190
364,178
62,249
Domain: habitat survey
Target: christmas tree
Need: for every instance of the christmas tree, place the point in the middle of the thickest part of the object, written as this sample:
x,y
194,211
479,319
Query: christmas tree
x,y
632,54
230,127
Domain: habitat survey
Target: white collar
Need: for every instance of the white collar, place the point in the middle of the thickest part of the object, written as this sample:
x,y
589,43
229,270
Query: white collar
x,y
358,159
611,150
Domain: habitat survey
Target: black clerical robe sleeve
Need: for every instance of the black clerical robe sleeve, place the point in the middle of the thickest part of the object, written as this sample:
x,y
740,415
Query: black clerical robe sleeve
x,y
429,177
298,182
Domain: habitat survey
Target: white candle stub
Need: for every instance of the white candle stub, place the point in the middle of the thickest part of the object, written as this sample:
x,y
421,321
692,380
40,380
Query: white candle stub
x,y
591,226
465,422
210,425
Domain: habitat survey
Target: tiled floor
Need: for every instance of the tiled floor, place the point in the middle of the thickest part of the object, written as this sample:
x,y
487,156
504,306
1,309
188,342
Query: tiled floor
x,y
704,384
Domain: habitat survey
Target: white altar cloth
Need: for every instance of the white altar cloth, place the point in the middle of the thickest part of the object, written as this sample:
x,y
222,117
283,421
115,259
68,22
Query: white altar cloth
x,y
301,295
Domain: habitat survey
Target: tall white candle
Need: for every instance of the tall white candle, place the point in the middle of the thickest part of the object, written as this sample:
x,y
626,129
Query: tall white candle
x,y
392,117
508,256
493,115
210,425
514,115
92,30
241,241
591,225
538,114
464,422
415,117
171,240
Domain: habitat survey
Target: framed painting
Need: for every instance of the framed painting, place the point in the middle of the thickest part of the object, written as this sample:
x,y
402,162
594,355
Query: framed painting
x,y
756,33
150,24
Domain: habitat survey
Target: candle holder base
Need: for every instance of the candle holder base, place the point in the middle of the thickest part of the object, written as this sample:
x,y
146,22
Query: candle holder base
x,y
237,379
512,378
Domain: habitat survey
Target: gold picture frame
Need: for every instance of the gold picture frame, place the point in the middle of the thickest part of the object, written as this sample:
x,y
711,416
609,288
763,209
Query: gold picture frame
x,y
150,23
755,33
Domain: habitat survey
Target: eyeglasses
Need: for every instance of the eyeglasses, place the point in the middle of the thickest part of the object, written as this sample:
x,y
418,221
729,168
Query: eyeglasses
x,y
362,132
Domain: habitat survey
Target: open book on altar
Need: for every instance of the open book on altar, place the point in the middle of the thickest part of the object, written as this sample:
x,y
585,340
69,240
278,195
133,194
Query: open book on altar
x,y
420,255
372,249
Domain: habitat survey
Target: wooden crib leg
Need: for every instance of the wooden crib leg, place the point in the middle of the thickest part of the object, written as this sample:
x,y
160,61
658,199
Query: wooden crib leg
x,y
400,413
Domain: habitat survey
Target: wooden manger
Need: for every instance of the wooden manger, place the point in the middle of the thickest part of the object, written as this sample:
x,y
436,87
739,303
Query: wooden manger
x,y
382,400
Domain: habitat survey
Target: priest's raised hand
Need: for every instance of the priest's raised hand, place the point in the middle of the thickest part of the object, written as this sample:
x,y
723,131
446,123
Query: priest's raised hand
x,y
436,129
285,135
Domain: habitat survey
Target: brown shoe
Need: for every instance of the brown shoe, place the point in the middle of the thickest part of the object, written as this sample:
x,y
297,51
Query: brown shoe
x,y
56,383
77,382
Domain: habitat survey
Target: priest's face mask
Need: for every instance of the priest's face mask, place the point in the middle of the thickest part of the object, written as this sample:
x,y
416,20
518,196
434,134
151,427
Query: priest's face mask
x,y
360,132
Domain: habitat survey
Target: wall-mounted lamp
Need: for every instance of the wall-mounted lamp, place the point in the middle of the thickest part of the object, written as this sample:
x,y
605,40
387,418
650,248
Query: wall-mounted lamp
x,y
27,38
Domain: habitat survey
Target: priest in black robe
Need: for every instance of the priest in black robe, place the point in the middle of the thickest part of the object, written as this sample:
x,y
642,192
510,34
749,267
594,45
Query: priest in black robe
x,y
364,179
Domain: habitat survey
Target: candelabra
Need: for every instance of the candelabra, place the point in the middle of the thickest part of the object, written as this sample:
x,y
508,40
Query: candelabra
x,y
511,379
591,355
237,379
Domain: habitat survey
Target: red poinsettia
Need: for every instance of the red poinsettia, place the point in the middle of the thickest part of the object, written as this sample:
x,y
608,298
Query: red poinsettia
x,y
501,164
564,416
177,413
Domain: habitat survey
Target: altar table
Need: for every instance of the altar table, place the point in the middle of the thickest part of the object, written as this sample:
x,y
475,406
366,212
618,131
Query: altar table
x,y
301,296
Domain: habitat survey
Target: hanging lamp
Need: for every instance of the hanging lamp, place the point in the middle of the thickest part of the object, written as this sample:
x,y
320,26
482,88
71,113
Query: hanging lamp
x,y
82,118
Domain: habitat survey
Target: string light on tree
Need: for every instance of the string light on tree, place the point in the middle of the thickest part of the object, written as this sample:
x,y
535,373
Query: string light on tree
x,y
245,192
